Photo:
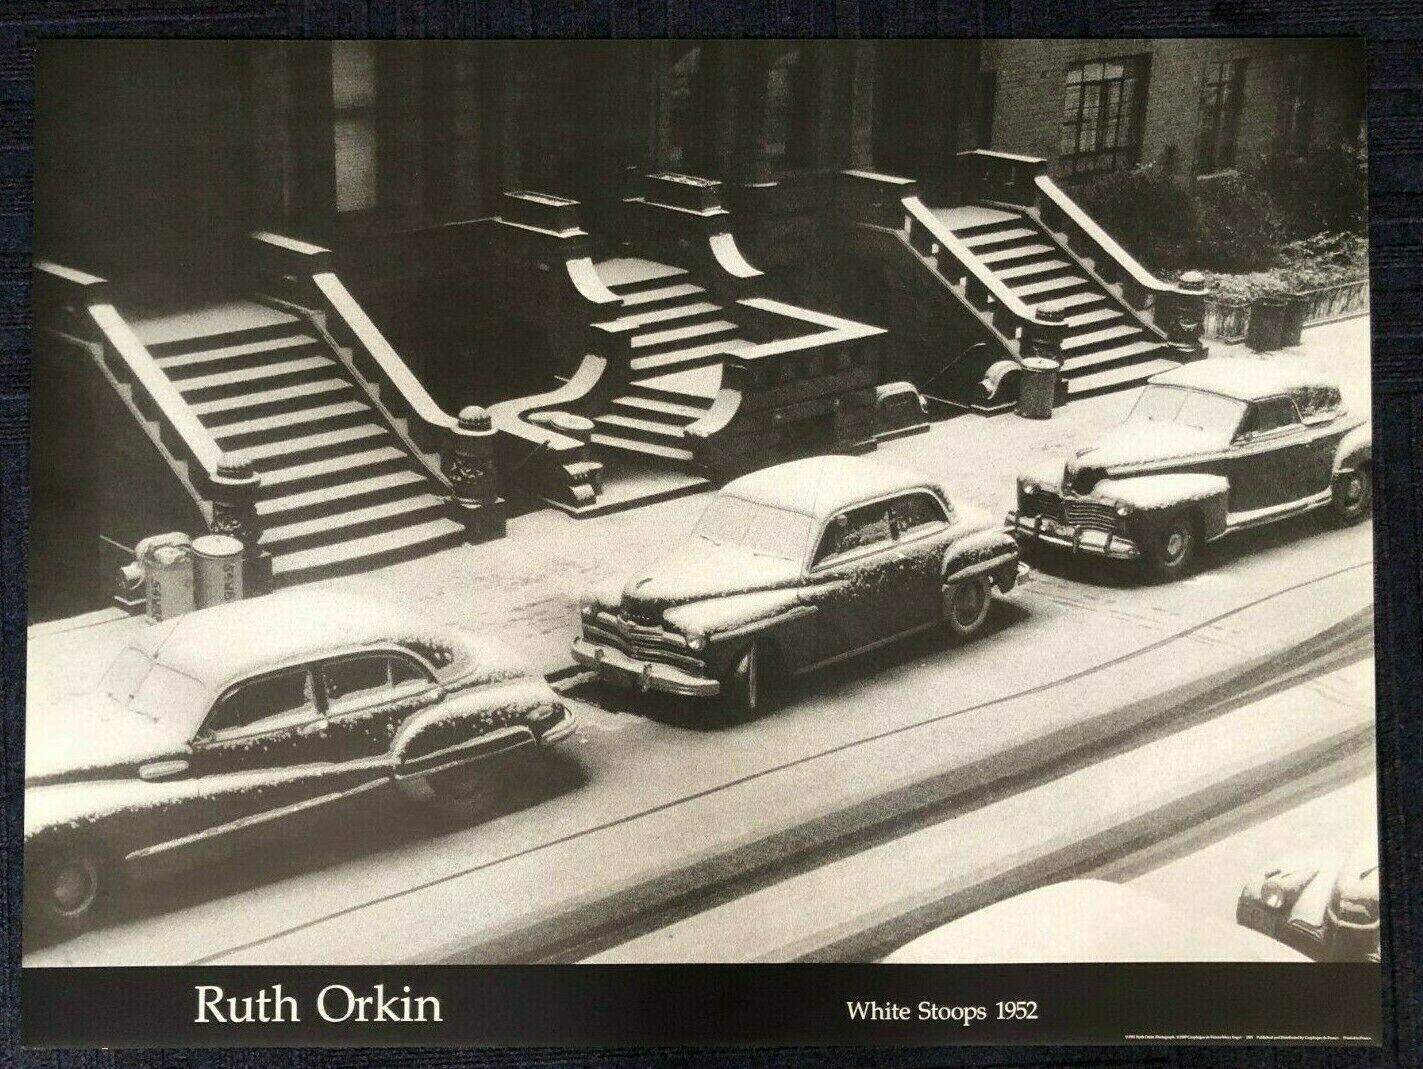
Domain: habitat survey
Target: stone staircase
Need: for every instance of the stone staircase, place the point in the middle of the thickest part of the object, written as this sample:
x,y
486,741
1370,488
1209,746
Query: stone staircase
x,y
340,490
1108,346
677,336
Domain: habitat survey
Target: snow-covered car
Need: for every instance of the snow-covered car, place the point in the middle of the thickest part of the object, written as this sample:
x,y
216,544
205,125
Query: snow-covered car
x,y
243,715
792,567
1323,904
1087,921
1210,448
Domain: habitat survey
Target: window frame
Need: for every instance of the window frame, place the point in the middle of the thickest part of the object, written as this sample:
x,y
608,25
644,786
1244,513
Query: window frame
x,y
1247,436
1127,120
1219,108
333,708
368,113
894,539
209,735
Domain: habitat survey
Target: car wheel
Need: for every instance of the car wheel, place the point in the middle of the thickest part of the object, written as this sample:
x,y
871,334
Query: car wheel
x,y
1353,496
1172,551
744,688
966,605
461,793
69,885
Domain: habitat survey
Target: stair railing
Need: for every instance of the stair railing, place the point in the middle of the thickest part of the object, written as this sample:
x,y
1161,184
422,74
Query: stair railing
x,y
961,267
223,486
304,272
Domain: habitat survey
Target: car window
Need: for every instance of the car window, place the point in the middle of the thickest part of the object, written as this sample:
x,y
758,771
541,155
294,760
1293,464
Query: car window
x,y
855,530
356,680
912,513
1271,414
269,702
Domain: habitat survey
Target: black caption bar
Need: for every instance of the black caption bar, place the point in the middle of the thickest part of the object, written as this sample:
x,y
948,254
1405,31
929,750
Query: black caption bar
x,y
669,1005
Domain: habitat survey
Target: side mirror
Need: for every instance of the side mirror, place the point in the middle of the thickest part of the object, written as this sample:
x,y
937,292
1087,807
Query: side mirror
x,y
165,769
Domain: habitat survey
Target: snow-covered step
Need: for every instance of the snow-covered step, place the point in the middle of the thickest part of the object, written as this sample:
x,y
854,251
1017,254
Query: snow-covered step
x,y
267,402
1050,288
342,526
691,332
261,377
207,361
340,497
314,474
645,429
679,359
1022,272
664,315
999,238
1091,339
1117,378
316,446
629,445
1093,316
366,551
1074,365
1003,257
1075,300
283,425
664,408
662,294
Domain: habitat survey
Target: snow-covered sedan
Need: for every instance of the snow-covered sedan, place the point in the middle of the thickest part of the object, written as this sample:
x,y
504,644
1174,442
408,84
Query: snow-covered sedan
x,y
1324,904
1210,448
793,567
240,716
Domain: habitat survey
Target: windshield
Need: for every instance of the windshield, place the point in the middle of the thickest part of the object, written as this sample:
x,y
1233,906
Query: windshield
x,y
154,690
763,529
1209,412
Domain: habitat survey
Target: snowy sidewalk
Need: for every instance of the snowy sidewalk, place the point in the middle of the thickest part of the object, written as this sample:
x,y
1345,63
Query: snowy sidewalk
x,y
526,587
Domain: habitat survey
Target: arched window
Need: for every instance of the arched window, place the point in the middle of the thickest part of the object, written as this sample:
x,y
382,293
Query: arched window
x,y
682,128
790,111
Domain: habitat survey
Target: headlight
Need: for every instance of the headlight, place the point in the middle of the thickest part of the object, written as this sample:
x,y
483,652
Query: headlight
x,y
1272,895
545,712
1123,509
1028,486
697,642
588,605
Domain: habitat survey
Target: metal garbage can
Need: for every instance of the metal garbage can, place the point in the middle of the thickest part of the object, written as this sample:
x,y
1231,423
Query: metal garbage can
x,y
1037,387
168,581
1266,332
217,570
1292,322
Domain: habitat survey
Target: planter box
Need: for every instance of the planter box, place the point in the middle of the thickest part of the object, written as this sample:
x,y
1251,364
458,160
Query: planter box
x,y
1229,321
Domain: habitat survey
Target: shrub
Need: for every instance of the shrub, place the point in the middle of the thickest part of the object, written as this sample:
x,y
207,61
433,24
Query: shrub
x,y
1328,190
1149,212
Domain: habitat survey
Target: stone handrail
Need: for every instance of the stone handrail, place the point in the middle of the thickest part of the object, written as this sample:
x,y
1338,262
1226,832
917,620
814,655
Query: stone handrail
x,y
309,265
983,289
1057,208
87,296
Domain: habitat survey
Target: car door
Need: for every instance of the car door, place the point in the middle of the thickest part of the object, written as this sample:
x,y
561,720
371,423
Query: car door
x,y
919,525
867,576
368,696
1269,458
264,748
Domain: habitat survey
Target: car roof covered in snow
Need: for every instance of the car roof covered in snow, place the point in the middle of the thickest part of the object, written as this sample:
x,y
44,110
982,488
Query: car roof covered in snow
x,y
229,642
1243,378
1089,920
822,486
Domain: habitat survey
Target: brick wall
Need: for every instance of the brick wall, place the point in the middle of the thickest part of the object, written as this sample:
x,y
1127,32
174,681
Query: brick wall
x,y
1028,106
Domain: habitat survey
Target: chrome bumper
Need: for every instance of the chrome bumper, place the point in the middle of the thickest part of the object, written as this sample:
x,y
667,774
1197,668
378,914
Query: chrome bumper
x,y
617,667
1071,537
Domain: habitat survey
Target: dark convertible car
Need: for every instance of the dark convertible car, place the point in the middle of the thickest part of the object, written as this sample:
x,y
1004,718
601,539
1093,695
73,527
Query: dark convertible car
x,y
793,567
1210,448
235,717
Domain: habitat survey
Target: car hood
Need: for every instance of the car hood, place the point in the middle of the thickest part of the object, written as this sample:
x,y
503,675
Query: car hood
x,y
697,570
1143,443
91,736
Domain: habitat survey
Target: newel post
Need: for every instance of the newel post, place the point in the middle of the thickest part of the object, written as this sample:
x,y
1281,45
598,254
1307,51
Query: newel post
x,y
235,484
469,465
1181,315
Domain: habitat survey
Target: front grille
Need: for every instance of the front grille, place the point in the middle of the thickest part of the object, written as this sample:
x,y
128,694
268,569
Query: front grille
x,y
1042,504
1091,514
642,642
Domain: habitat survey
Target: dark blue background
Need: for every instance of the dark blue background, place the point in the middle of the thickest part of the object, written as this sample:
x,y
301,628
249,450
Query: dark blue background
x,y
1396,161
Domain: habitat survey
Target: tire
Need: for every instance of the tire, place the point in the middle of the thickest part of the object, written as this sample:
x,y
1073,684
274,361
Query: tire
x,y
1353,496
462,794
70,883
1171,552
744,687
966,606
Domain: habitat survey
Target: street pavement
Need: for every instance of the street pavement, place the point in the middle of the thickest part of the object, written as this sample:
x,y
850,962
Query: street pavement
x,y
647,801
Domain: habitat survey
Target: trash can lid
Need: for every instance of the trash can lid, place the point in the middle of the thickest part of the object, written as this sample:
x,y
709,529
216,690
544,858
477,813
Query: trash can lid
x,y
216,546
1040,363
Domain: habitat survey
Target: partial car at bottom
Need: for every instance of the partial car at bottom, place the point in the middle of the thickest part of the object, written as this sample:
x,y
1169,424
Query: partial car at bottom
x,y
245,715
1325,904
793,567
1209,449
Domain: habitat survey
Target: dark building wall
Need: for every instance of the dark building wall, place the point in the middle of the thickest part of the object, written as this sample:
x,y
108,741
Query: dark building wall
x,y
1031,94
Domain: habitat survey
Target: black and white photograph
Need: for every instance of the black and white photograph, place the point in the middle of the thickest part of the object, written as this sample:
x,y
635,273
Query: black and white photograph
x,y
719,502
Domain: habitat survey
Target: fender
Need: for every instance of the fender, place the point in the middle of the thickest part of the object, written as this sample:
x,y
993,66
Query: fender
x,y
1356,449
471,713
996,377
1152,496
739,615
983,552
